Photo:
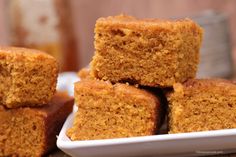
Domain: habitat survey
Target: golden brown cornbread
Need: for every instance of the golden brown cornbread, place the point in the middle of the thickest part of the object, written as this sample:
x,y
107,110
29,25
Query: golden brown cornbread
x,y
202,105
148,52
32,132
84,73
27,78
113,111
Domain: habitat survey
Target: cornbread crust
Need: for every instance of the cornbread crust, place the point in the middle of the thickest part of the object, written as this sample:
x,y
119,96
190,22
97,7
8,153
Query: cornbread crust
x,y
202,105
32,131
148,52
27,78
113,111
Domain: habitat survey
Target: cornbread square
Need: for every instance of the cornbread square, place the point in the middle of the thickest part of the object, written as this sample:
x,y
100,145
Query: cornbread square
x,y
28,77
113,111
32,131
148,52
202,105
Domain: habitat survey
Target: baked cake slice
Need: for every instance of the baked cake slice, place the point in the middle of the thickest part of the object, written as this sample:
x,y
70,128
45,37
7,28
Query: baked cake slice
x,y
31,131
148,52
202,105
27,77
113,111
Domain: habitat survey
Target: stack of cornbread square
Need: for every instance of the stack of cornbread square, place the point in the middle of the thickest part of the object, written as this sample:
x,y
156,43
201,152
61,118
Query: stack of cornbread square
x,y
31,112
135,59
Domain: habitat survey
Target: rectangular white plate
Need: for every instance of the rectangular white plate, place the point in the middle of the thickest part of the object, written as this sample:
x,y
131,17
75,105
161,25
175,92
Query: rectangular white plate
x,y
186,144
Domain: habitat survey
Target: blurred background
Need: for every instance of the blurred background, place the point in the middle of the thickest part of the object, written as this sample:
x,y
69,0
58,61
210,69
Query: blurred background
x,y
64,28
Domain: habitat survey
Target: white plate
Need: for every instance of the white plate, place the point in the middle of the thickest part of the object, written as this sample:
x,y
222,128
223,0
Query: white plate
x,y
187,144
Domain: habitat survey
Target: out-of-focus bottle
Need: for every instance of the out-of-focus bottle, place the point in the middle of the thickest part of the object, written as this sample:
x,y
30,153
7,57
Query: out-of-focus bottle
x,y
46,25
216,51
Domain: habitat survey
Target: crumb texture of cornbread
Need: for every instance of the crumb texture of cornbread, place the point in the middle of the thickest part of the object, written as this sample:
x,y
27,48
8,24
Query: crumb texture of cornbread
x,y
113,111
202,105
27,77
26,132
148,52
